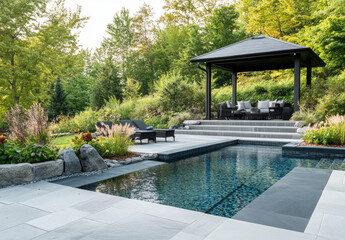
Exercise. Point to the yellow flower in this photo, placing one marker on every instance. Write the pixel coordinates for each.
(102, 145)
(107, 151)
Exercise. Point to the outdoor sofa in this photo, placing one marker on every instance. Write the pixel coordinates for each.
(276, 109)
(161, 133)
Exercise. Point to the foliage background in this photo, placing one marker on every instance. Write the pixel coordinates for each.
(142, 69)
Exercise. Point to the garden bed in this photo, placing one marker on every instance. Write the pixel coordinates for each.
(320, 145)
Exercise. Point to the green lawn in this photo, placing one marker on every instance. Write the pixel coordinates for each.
(64, 142)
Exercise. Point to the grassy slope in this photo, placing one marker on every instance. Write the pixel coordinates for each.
(63, 142)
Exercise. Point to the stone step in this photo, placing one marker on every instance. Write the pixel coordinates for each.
(250, 122)
(241, 134)
(244, 128)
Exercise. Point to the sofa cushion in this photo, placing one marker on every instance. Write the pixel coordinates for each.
(241, 105)
(273, 104)
(281, 103)
(263, 105)
(228, 104)
(247, 105)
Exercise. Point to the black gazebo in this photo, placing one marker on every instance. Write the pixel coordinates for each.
(257, 54)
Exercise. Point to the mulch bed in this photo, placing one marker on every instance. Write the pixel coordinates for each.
(318, 145)
(123, 158)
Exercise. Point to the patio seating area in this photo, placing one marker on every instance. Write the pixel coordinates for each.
(265, 110)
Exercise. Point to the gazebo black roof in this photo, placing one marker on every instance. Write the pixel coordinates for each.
(260, 53)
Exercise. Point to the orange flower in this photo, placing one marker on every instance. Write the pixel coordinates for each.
(3, 140)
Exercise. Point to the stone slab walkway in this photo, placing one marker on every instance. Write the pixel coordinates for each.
(51, 211)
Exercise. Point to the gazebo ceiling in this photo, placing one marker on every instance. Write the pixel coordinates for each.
(260, 53)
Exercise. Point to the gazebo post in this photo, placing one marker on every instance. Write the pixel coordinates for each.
(234, 87)
(309, 76)
(297, 81)
(208, 92)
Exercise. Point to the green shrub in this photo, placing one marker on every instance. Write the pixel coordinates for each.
(82, 122)
(331, 104)
(305, 114)
(179, 118)
(330, 133)
(30, 153)
(116, 145)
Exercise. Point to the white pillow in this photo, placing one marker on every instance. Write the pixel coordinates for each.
(272, 104)
(281, 103)
(263, 104)
(247, 105)
(241, 105)
(228, 104)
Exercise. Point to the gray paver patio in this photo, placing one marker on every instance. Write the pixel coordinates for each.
(46, 210)
(121, 218)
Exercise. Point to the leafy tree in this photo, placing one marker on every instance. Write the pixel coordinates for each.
(120, 38)
(78, 89)
(57, 104)
(185, 12)
(33, 53)
(132, 89)
(107, 84)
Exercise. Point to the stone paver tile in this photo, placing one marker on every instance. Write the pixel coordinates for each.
(21, 232)
(61, 199)
(47, 186)
(139, 226)
(330, 208)
(60, 236)
(15, 214)
(98, 203)
(204, 225)
(233, 229)
(314, 223)
(332, 197)
(20, 193)
(336, 178)
(75, 230)
(186, 236)
(111, 215)
(333, 227)
(168, 212)
(57, 219)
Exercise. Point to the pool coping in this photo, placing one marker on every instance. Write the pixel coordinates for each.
(290, 202)
(296, 150)
(177, 154)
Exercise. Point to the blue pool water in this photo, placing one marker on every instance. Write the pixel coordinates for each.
(220, 182)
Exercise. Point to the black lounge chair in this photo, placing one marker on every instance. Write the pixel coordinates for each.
(140, 134)
(162, 133)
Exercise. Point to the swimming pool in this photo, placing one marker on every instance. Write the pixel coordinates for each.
(220, 182)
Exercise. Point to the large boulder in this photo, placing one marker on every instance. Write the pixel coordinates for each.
(48, 169)
(11, 174)
(90, 159)
(71, 161)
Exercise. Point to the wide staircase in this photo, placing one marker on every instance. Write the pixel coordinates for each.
(244, 128)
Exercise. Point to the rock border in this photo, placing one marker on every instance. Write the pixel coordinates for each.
(24, 173)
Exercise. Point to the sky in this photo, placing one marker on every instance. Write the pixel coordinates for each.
(101, 12)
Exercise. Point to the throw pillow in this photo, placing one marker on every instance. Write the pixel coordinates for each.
(281, 103)
(263, 104)
(229, 104)
(241, 105)
(272, 104)
(247, 105)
